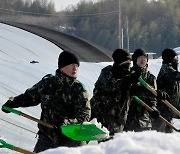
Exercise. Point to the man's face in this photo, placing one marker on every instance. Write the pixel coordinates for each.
(175, 59)
(142, 61)
(70, 70)
(175, 63)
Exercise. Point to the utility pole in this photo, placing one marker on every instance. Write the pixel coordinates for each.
(122, 40)
(119, 30)
(127, 34)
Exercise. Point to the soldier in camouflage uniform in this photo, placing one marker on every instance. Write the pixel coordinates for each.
(63, 101)
(139, 119)
(168, 80)
(111, 95)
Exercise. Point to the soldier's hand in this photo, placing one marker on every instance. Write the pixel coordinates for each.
(162, 95)
(121, 70)
(155, 114)
(133, 77)
(57, 125)
(7, 104)
(178, 108)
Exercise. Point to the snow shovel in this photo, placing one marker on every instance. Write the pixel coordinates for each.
(4, 144)
(139, 101)
(77, 132)
(146, 85)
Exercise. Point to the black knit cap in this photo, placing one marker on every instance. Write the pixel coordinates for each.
(120, 55)
(67, 58)
(137, 53)
(168, 55)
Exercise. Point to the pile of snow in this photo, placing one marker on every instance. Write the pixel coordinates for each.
(128, 143)
(18, 49)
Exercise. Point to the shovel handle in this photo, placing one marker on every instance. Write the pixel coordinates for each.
(27, 116)
(22, 150)
(151, 89)
(167, 122)
(10, 146)
(36, 120)
(139, 101)
(171, 107)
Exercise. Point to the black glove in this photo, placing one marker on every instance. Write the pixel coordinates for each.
(59, 122)
(162, 95)
(155, 114)
(178, 108)
(135, 74)
(119, 71)
(57, 127)
(9, 104)
(133, 77)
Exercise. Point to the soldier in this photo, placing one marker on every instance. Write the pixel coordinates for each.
(168, 80)
(111, 95)
(139, 119)
(63, 101)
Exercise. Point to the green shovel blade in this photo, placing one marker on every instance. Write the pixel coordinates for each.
(83, 132)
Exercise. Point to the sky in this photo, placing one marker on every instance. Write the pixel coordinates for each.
(62, 4)
(17, 49)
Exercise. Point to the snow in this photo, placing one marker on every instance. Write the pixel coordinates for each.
(128, 143)
(17, 49)
(177, 50)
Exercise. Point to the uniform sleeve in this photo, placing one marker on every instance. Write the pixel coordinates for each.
(107, 83)
(82, 107)
(172, 75)
(31, 97)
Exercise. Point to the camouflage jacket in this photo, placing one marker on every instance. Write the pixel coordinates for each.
(138, 117)
(110, 101)
(168, 80)
(63, 100)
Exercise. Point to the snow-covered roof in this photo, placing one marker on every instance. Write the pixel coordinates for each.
(177, 50)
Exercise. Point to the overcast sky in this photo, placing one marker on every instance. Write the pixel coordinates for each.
(62, 4)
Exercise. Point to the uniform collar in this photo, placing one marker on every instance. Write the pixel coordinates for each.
(63, 77)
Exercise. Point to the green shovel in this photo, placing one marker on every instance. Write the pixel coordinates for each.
(4, 144)
(77, 132)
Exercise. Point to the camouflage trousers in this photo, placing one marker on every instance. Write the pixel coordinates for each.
(161, 126)
(44, 143)
(134, 125)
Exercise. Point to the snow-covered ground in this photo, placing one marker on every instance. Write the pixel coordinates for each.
(17, 49)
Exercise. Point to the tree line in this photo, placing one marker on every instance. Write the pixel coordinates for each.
(35, 6)
(152, 25)
(149, 24)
